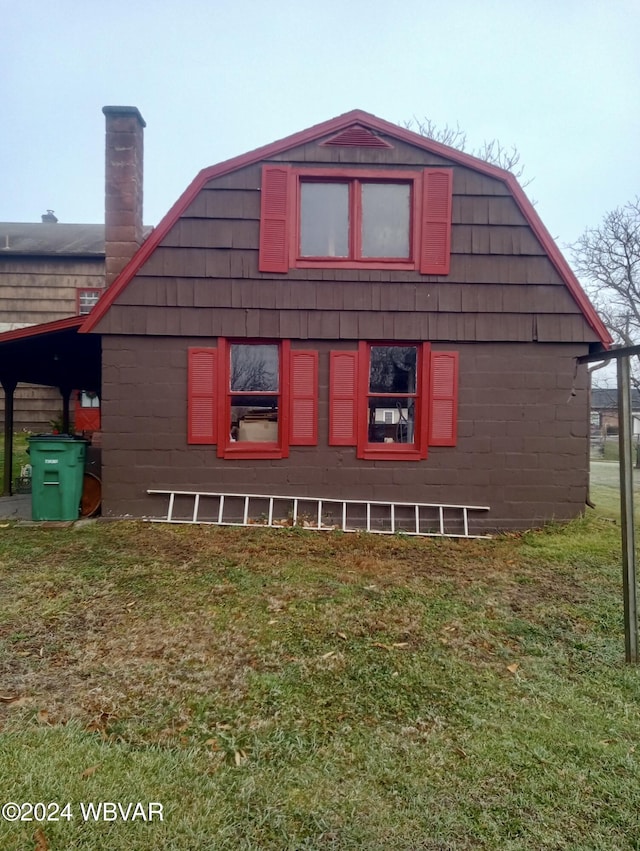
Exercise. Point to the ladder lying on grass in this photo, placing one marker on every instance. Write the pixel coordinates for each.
(320, 514)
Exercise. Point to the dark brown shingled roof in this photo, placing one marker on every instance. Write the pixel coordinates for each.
(51, 238)
(36, 238)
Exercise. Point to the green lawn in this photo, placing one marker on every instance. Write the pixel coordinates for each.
(20, 455)
(292, 690)
(605, 488)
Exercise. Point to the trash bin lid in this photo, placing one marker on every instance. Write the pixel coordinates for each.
(35, 437)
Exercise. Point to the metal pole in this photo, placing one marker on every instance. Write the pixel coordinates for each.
(9, 387)
(626, 509)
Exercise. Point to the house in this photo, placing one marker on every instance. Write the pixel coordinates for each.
(604, 411)
(354, 312)
(49, 270)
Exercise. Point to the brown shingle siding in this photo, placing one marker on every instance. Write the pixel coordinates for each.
(486, 210)
(494, 239)
(242, 204)
(400, 154)
(248, 177)
(468, 182)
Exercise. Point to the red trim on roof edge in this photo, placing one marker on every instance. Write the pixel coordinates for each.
(326, 128)
(43, 328)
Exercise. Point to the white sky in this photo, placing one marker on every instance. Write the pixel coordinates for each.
(214, 79)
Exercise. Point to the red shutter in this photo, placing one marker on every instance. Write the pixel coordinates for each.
(343, 398)
(424, 400)
(201, 396)
(435, 245)
(303, 382)
(274, 219)
(443, 418)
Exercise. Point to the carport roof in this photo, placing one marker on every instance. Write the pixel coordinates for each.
(53, 354)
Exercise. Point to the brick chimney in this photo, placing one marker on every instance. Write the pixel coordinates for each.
(123, 187)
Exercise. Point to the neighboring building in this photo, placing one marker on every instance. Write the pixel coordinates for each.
(48, 271)
(353, 312)
(604, 411)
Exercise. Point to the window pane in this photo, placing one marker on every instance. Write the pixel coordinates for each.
(86, 300)
(324, 220)
(392, 369)
(89, 400)
(254, 419)
(385, 219)
(391, 420)
(254, 368)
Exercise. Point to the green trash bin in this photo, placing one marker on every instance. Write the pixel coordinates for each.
(57, 463)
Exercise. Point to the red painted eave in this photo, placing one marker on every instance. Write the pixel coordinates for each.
(331, 127)
(45, 328)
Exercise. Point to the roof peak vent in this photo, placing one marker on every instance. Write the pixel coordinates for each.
(357, 136)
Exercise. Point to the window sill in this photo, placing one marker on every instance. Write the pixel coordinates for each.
(346, 263)
(388, 452)
(248, 451)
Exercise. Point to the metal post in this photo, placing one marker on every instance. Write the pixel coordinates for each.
(9, 387)
(626, 509)
(66, 396)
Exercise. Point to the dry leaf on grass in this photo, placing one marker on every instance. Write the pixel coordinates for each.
(41, 840)
(239, 757)
(513, 668)
(88, 772)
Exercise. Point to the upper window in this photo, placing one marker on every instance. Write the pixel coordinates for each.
(355, 219)
(87, 297)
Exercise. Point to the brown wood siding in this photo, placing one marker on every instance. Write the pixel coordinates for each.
(501, 285)
(34, 407)
(522, 446)
(400, 154)
(363, 325)
(356, 296)
(35, 290)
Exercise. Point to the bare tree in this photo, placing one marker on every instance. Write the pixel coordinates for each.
(492, 151)
(607, 260)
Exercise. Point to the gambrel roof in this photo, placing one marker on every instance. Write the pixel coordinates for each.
(355, 128)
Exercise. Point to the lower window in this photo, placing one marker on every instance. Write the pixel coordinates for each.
(393, 401)
(252, 399)
(392, 382)
(391, 394)
(254, 393)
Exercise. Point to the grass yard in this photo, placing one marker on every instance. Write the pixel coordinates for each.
(291, 690)
(20, 455)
